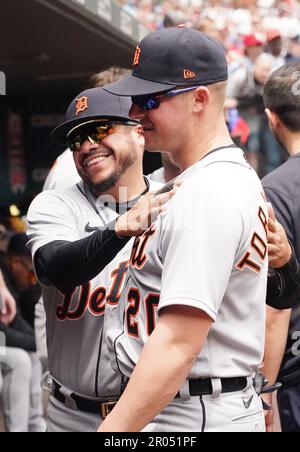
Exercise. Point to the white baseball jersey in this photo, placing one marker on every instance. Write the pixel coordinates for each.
(63, 174)
(158, 176)
(207, 251)
(78, 356)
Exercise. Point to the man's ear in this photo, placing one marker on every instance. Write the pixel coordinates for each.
(140, 130)
(273, 118)
(201, 98)
(141, 139)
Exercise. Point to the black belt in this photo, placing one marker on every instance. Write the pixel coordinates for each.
(101, 407)
(198, 388)
(202, 386)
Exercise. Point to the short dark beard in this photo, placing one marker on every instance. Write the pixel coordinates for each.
(106, 185)
(98, 189)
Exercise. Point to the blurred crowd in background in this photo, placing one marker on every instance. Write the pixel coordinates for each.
(230, 18)
(259, 37)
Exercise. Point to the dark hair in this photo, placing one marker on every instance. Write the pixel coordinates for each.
(18, 246)
(282, 95)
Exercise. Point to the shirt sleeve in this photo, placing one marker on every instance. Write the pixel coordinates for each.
(200, 245)
(61, 258)
(50, 218)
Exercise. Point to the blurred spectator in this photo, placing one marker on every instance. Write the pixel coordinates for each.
(254, 47)
(293, 55)
(240, 17)
(109, 76)
(21, 369)
(275, 47)
(3, 239)
(245, 92)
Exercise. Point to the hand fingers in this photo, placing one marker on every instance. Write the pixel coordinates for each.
(272, 215)
(274, 239)
(178, 183)
(156, 212)
(273, 250)
(163, 198)
(272, 225)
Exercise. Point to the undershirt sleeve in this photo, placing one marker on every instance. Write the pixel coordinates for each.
(67, 265)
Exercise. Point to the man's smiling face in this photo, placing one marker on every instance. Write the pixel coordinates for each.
(101, 165)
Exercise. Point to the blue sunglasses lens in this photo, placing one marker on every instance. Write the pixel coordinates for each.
(146, 103)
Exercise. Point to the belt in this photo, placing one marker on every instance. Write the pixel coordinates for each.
(198, 387)
(202, 386)
(104, 408)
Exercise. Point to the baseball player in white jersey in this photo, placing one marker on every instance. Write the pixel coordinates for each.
(63, 174)
(80, 242)
(192, 340)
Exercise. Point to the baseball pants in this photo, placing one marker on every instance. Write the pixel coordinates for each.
(234, 412)
(62, 419)
(22, 394)
(289, 408)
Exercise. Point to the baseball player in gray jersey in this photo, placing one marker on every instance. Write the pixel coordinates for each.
(80, 242)
(194, 300)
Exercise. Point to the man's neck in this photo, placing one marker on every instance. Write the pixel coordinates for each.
(127, 189)
(171, 172)
(199, 147)
(293, 144)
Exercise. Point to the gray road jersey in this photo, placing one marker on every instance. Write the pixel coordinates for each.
(78, 356)
(209, 252)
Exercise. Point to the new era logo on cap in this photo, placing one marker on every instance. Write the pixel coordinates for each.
(137, 57)
(82, 105)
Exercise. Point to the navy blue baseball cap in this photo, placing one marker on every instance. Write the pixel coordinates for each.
(173, 57)
(90, 105)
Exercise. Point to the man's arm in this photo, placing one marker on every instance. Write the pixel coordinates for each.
(19, 335)
(284, 276)
(8, 307)
(68, 264)
(162, 369)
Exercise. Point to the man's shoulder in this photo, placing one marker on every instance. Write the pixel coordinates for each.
(51, 198)
(284, 178)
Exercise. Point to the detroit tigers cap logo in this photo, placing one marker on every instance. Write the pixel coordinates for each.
(137, 57)
(82, 105)
(188, 74)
